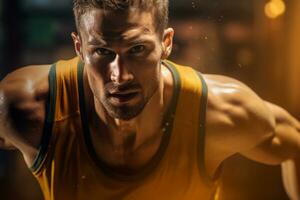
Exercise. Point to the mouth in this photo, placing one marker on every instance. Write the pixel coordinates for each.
(121, 97)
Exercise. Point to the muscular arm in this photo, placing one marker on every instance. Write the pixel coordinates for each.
(282, 148)
(284, 144)
(22, 102)
(238, 121)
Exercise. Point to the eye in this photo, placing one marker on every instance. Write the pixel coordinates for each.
(104, 52)
(137, 49)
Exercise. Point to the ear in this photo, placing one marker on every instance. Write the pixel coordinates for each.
(167, 43)
(77, 44)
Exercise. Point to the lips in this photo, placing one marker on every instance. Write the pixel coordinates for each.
(122, 93)
(124, 96)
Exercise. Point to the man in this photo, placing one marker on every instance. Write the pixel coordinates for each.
(122, 122)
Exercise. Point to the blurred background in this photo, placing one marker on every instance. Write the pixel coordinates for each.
(255, 41)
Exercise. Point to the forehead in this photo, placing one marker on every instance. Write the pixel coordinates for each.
(117, 25)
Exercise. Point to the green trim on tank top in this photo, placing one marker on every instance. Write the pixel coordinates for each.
(202, 134)
(48, 123)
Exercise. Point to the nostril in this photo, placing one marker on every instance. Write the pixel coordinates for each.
(114, 78)
(121, 75)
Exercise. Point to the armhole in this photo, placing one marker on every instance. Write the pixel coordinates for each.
(48, 124)
(202, 131)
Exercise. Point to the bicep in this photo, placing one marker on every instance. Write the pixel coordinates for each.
(237, 119)
(21, 112)
(283, 144)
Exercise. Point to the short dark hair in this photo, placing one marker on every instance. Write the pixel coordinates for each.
(160, 15)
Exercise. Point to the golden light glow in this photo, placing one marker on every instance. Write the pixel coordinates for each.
(275, 8)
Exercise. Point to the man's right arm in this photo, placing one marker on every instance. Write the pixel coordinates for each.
(23, 94)
(4, 123)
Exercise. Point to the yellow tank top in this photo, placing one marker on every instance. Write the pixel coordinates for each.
(67, 167)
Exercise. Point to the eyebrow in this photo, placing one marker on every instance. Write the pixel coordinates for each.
(133, 40)
(96, 41)
(129, 42)
(138, 41)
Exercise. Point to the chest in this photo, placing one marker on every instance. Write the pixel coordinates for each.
(129, 151)
(171, 173)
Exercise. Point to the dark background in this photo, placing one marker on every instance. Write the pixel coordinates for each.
(244, 39)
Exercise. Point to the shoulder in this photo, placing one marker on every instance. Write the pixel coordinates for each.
(25, 88)
(237, 113)
(26, 81)
(228, 95)
(237, 120)
(23, 94)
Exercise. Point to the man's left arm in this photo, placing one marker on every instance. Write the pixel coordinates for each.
(282, 148)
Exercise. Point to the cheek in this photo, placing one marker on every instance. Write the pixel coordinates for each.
(95, 64)
(96, 82)
(149, 75)
(97, 69)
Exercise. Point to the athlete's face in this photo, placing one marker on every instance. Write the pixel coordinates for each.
(122, 52)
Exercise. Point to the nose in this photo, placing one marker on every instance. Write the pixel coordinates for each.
(120, 73)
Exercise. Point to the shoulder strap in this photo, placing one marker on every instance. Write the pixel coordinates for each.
(49, 119)
(62, 103)
(194, 86)
(202, 135)
(202, 129)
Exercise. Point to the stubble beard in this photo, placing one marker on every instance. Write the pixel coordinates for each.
(127, 112)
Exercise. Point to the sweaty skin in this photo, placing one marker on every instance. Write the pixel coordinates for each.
(237, 120)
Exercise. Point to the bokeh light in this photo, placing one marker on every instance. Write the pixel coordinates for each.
(275, 8)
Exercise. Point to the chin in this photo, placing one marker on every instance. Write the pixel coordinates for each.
(124, 111)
